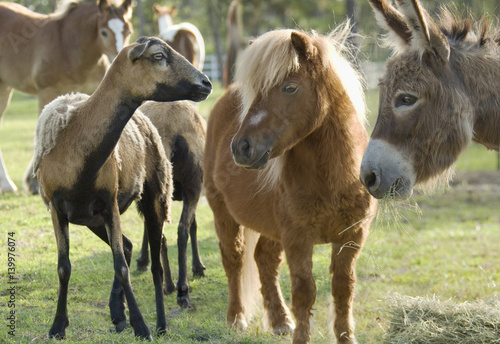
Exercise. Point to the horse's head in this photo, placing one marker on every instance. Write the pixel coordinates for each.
(279, 77)
(157, 72)
(114, 27)
(424, 119)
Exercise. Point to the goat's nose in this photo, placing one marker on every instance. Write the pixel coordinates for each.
(370, 178)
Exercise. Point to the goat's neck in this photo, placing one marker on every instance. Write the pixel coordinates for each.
(105, 114)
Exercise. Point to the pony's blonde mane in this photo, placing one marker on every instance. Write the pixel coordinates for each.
(271, 58)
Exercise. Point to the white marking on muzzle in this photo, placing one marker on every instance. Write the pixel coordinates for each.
(116, 25)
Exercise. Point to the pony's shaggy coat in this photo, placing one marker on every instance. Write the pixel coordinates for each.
(294, 112)
(439, 93)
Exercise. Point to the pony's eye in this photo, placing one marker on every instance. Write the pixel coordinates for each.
(290, 88)
(104, 33)
(158, 56)
(405, 100)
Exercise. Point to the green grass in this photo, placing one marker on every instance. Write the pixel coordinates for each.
(451, 250)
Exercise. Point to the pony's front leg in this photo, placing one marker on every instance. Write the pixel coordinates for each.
(61, 231)
(299, 257)
(122, 272)
(269, 258)
(343, 282)
(232, 246)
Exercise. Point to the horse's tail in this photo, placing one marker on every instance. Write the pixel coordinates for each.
(250, 281)
(234, 41)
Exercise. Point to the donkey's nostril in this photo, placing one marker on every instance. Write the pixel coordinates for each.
(370, 180)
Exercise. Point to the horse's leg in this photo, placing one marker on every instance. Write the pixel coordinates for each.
(6, 184)
(231, 244)
(269, 258)
(154, 217)
(117, 297)
(143, 260)
(122, 271)
(343, 281)
(299, 257)
(61, 320)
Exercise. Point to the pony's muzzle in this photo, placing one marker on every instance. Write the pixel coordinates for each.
(246, 155)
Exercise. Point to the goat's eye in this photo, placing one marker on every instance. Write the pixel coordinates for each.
(158, 56)
(290, 88)
(405, 100)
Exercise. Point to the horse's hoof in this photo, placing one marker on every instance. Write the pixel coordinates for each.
(122, 325)
(286, 328)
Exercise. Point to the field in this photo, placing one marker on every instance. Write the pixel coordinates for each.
(448, 249)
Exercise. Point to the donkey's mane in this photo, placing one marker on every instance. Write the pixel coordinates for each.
(466, 30)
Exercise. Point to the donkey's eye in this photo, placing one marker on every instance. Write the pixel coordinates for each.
(405, 100)
(290, 88)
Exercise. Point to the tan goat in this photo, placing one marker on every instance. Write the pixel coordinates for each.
(93, 158)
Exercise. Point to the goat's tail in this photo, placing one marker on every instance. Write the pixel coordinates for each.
(250, 281)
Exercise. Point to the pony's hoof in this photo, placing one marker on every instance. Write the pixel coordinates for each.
(239, 323)
(286, 328)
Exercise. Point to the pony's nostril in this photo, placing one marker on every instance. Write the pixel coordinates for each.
(244, 148)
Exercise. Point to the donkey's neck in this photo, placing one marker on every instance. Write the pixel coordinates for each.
(164, 23)
(481, 79)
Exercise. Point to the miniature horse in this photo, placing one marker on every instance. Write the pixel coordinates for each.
(185, 38)
(440, 91)
(282, 156)
(49, 55)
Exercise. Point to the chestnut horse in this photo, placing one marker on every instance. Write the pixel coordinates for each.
(58, 53)
(185, 38)
(440, 92)
(283, 150)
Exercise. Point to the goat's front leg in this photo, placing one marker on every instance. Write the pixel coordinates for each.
(122, 272)
(117, 297)
(61, 231)
(143, 260)
(299, 257)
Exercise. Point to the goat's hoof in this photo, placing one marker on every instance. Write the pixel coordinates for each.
(142, 265)
(183, 301)
(143, 332)
(168, 289)
(199, 271)
(58, 329)
(161, 331)
(122, 325)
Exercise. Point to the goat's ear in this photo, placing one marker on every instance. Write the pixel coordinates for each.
(303, 45)
(392, 20)
(427, 37)
(103, 5)
(173, 11)
(136, 52)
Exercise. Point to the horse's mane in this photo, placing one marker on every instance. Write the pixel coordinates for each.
(466, 31)
(271, 57)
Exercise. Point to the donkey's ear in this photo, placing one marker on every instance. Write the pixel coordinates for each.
(427, 37)
(136, 52)
(302, 44)
(393, 21)
(103, 5)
